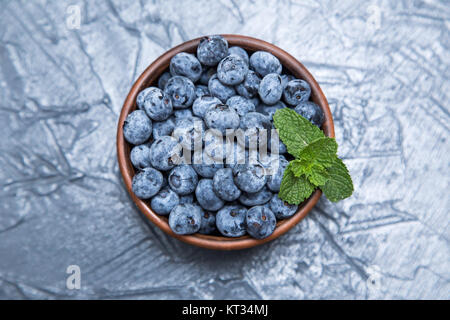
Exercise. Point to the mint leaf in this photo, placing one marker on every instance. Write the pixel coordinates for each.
(295, 131)
(315, 172)
(320, 152)
(294, 189)
(339, 185)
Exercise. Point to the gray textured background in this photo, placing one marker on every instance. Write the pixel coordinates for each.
(384, 66)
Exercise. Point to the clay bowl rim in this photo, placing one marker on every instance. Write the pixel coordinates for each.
(150, 76)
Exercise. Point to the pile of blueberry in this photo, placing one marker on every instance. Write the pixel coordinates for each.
(224, 89)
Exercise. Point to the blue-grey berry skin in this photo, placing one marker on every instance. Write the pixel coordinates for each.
(206, 196)
(165, 153)
(206, 75)
(164, 201)
(232, 70)
(254, 124)
(255, 199)
(207, 169)
(296, 91)
(282, 209)
(186, 65)
(224, 186)
(163, 80)
(311, 111)
(274, 180)
(241, 105)
(163, 128)
(202, 104)
(269, 110)
(260, 221)
(185, 218)
(220, 90)
(140, 156)
(282, 149)
(201, 90)
(240, 52)
(208, 224)
(190, 132)
(215, 147)
(189, 198)
(181, 91)
(147, 183)
(270, 89)
(256, 102)
(183, 179)
(137, 127)
(249, 178)
(285, 78)
(230, 221)
(263, 63)
(221, 117)
(212, 49)
(155, 103)
(249, 87)
(181, 114)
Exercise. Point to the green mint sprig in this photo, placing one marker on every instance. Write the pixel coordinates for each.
(316, 163)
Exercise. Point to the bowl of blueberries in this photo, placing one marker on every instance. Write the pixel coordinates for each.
(197, 147)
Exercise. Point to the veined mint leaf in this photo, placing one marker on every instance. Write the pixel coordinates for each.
(320, 152)
(315, 172)
(295, 131)
(294, 189)
(339, 185)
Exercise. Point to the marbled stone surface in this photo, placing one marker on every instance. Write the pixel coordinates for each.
(384, 66)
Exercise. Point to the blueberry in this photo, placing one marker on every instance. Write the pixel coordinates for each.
(206, 197)
(269, 110)
(163, 80)
(255, 199)
(181, 114)
(230, 221)
(183, 179)
(215, 147)
(164, 201)
(249, 87)
(274, 180)
(186, 65)
(207, 169)
(250, 178)
(220, 90)
(238, 155)
(208, 224)
(140, 156)
(241, 105)
(285, 78)
(165, 152)
(147, 183)
(240, 52)
(270, 89)
(201, 90)
(155, 103)
(282, 209)
(275, 137)
(163, 128)
(311, 111)
(221, 117)
(256, 102)
(261, 222)
(296, 91)
(185, 218)
(232, 70)
(189, 132)
(206, 75)
(212, 49)
(263, 63)
(202, 104)
(257, 128)
(224, 186)
(189, 198)
(181, 91)
(137, 127)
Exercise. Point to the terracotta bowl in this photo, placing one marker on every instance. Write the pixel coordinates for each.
(150, 77)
